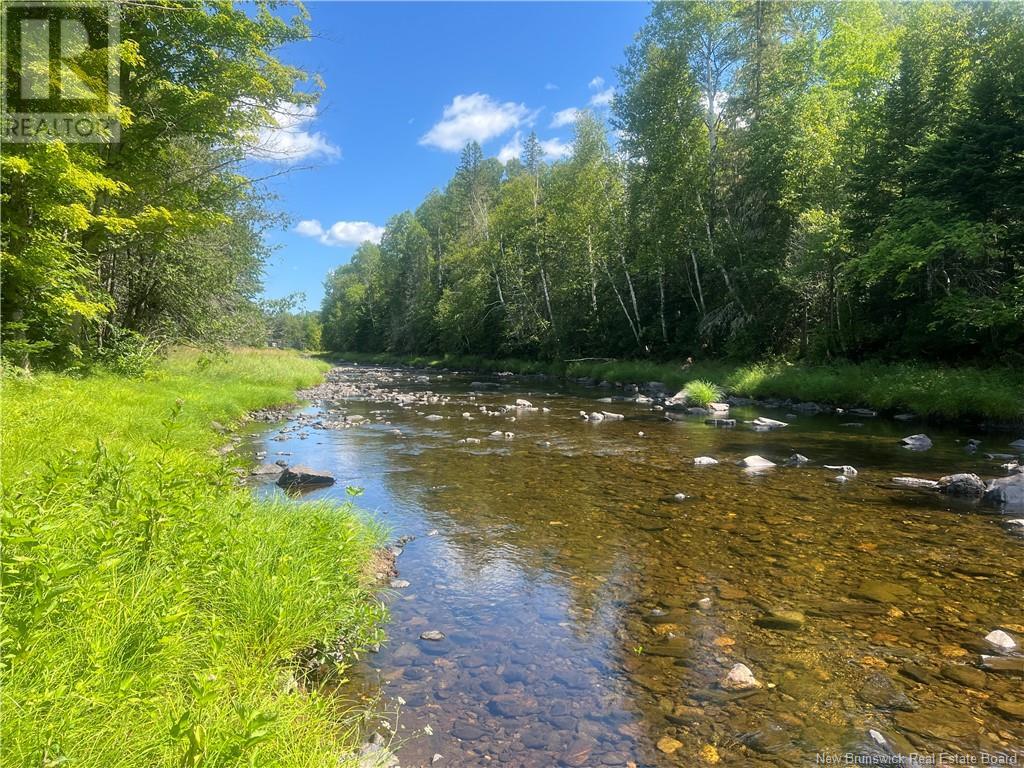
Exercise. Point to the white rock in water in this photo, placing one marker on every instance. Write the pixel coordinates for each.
(612, 416)
(740, 678)
(497, 433)
(702, 461)
(509, 435)
(704, 603)
(1001, 640)
(467, 415)
(765, 423)
(434, 417)
(846, 469)
(520, 403)
(680, 497)
(756, 462)
(917, 442)
(841, 479)
(595, 416)
(878, 738)
(639, 434)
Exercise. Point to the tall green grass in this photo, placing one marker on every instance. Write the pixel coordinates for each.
(150, 606)
(929, 390)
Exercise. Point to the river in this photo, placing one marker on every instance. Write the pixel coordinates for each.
(591, 616)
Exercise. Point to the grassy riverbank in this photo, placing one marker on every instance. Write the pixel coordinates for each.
(934, 391)
(150, 605)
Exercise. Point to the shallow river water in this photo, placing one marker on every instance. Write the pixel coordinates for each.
(590, 617)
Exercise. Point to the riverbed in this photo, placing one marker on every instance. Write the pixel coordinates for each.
(595, 588)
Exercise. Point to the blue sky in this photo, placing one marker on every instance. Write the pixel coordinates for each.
(406, 85)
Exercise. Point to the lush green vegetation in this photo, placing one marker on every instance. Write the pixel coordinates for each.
(157, 238)
(821, 181)
(150, 606)
(928, 390)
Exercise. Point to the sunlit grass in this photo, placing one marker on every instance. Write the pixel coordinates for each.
(150, 605)
(702, 393)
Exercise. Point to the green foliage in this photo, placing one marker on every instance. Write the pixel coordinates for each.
(820, 181)
(151, 606)
(159, 234)
(702, 393)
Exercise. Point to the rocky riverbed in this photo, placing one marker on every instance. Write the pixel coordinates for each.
(603, 577)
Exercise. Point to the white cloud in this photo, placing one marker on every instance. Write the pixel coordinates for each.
(596, 83)
(340, 232)
(564, 117)
(555, 149)
(602, 98)
(550, 87)
(513, 149)
(291, 140)
(476, 117)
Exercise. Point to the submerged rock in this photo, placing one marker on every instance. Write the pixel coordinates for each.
(299, 477)
(797, 460)
(881, 692)
(433, 635)
(781, 619)
(881, 591)
(704, 461)
(668, 745)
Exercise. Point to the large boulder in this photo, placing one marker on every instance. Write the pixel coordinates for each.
(1006, 491)
(300, 478)
(962, 484)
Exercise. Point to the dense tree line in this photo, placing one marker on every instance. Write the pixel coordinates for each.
(825, 180)
(158, 235)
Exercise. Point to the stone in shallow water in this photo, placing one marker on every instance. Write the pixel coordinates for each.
(917, 442)
(997, 638)
(966, 676)
(399, 583)
(432, 635)
(962, 484)
(740, 678)
(1003, 663)
(299, 477)
(881, 591)
(668, 745)
(756, 462)
(1014, 710)
(703, 461)
(781, 619)
(881, 692)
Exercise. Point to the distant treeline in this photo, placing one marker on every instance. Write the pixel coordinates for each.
(111, 249)
(828, 180)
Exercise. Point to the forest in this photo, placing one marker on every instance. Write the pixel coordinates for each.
(819, 181)
(112, 251)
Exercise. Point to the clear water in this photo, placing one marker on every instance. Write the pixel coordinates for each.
(565, 576)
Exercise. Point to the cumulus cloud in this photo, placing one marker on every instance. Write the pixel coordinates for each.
(602, 98)
(291, 139)
(564, 117)
(596, 83)
(340, 233)
(513, 149)
(555, 149)
(550, 87)
(474, 117)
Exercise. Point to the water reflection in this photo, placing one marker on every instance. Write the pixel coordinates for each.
(590, 617)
